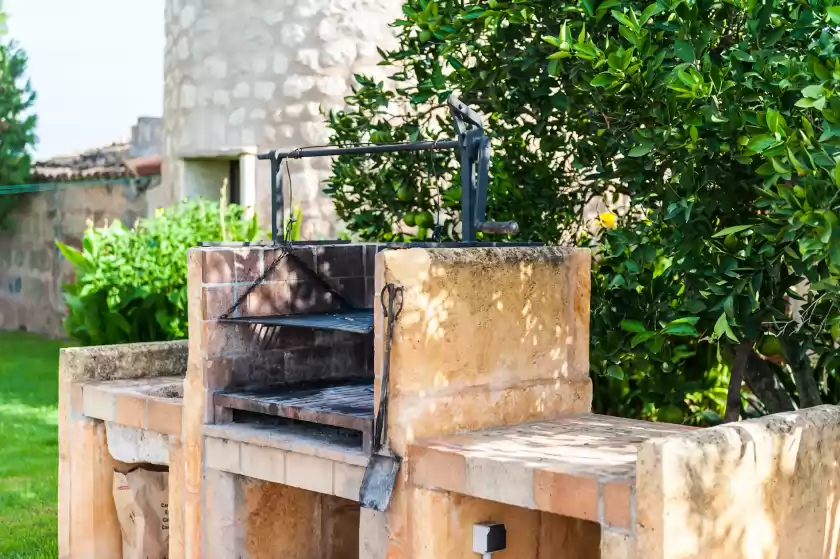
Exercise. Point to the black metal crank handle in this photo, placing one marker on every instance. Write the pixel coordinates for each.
(498, 227)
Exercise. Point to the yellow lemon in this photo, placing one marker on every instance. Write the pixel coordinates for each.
(608, 220)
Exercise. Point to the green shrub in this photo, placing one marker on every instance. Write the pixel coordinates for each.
(131, 283)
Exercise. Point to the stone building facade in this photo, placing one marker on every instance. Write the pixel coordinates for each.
(246, 77)
(98, 185)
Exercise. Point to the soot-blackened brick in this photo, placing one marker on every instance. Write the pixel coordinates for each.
(290, 267)
(341, 261)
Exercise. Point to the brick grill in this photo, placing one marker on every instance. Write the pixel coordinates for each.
(291, 350)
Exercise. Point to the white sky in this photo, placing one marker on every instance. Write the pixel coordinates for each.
(96, 66)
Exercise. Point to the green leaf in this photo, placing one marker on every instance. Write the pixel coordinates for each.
(632, 326)
(603, 80)
(837, 174)
(722, 327)
(73, 256)
(553, 41)
(743, 56)
(681, 330)
(776, 122)
(805, 103)
(615, 371)
(730, 230)
(651, 11)
(640, 338)
(761, 142)
(778, 167)
(640, 150)
(623, 19)
(833, 14)
(813, 91)
(684, 51)
(685, 320)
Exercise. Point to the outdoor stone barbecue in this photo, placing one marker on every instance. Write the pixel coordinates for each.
(488, 407)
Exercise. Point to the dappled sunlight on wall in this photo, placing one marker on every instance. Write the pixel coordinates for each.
(487, 337)
(758, 489)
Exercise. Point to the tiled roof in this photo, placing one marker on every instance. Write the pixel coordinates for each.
(110, 162)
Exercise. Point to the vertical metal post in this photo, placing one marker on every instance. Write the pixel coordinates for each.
(482, 145)
(467, 178)
(281, 202)
(274, 167)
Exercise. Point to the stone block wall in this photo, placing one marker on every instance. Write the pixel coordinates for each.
(32, 270)
(259, 74)
(761, 488)
(487, 337)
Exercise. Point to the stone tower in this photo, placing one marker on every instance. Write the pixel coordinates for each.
(246, 76)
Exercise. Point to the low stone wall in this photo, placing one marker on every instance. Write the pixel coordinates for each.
(761, 488)
(87, 520)
(32, 270)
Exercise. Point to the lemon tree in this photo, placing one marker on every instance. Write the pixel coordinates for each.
(718, 122)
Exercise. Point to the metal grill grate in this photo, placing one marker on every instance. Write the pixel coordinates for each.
(348, 405)
(357, 321)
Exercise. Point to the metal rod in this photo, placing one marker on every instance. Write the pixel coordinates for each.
(274, 166)
(281, 203)
(303, 153)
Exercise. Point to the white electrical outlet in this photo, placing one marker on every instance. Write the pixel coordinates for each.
(489, 537)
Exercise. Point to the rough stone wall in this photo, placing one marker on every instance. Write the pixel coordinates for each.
(147, 137)
(487, 337)
(762, 488)
(257, 73)
(264, 520)
(32, 270)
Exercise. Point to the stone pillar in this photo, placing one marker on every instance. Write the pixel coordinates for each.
(487, 337)
(92, 530)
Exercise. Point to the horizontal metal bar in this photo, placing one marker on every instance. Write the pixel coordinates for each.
(246, 244)
(358, 150)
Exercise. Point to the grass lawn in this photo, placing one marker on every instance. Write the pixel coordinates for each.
(28, 446)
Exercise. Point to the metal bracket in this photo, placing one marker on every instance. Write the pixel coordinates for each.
(475, 174)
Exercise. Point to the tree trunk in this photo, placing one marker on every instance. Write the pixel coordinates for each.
(733, 396)
(806, 385)
(762, 381)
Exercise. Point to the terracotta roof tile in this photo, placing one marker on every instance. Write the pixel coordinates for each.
(98, 163)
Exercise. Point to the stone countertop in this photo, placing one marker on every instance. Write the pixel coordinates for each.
(583, 466)
(153, 403)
